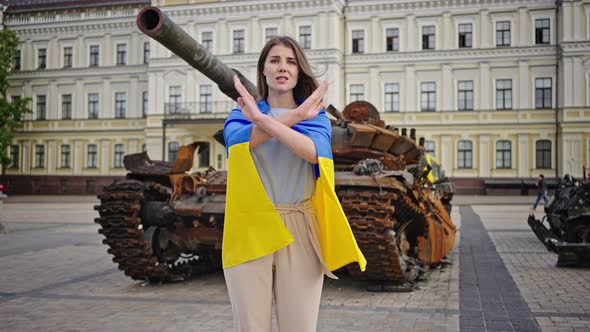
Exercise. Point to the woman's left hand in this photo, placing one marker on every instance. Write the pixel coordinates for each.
(247, 103)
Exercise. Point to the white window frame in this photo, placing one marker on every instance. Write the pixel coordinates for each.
(365, 39)
(350, 91)
(87, 154)
(534, 78)
(512, 154)
(436, 95)
(236, 28)
(312, 27)
(495, 101)
(495, 20)
(433, 141)
(429, 22)
(399, 86)
(114, 155)
(36, 62)
(401, 36)
(62, 55)
(115, 44)
(201, 31)
(87, 107)
(471, 21)
(273, 26)
(88, 46)
(539, 16)
(544, 138)
(456, 83)
(61, 105)
(473, 165)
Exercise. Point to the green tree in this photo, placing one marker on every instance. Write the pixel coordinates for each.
(11, 112)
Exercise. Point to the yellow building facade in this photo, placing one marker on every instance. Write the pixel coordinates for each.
(499, 90)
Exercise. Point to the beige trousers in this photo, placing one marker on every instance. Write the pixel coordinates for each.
(294, 275)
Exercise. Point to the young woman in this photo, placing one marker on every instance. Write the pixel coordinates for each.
(284, 226)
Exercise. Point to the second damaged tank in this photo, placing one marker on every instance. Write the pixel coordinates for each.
(164, 222)
(565, 228)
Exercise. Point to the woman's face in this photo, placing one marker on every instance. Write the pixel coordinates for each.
(281, 69)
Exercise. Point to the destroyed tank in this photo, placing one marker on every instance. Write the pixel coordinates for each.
(565, 227)
(165, 223)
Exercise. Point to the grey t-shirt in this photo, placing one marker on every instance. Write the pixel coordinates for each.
(287, 178)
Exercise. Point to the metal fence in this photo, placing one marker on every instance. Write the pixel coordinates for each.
(195, 108)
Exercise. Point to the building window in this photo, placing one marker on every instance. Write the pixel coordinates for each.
(391, 97)
(465, 154)
(67, 57)
(92, 156)
(175, 99)
(41, 107)
(429, 147)
(305, 36)
(392, 39)
(542, 31)
(357, 92)
(42, 58)
(204, 156)
(39, 156)
(207, 40)
(120, 104)
(270, 33)
(465, 35)
(66, 107)
(358, 41)
(94, 55)
(119, 152)
(503, 33)
(503, 154)
(93, 106)
(121, 54)
(428, 96)
(14, 156)
(504, 94)
(543, 154)
(238, 41)
(465, 95)
(146, 51)
(543, 93)
(428, 37)
(17, 60)
(172, 151)
(219, 161)
(144, 104)
(205, 99)
(65, 156)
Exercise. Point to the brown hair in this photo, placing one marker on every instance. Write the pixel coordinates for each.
(306, 82)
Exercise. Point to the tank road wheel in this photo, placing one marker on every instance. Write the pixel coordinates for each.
(370, 215)
(137, 248)
(578, 233)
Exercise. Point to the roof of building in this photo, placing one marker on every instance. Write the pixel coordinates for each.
(21, 6)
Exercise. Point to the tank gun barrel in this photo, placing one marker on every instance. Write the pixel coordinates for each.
(154, 23)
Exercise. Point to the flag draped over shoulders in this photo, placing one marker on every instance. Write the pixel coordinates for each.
(253, 228)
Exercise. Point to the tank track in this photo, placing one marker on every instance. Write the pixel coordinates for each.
(373, 216)
(121, 225)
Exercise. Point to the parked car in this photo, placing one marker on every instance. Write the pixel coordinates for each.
(3, 189)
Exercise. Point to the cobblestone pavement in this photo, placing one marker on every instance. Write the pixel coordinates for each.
(559, 298)
(57, 276)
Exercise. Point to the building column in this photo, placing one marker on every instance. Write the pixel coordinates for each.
(523, 27)
(78, 102)
(52, 109)
(106, 105)
(484, 40)
(446, 88)
(374, 88)
(253, 44)
(484, 102)
(567, 19)
(579, 26)
(571, 150)
(78, 157)
(411, 88)
(484, 155)
(107, 52)
(567, 89)
(133, 109)
(321, 27)
(51, 157)
(579, 88)
(524, 87)
(523, 156)
(104, 156)
(288, 25)
(135, 50)
(447, 154)
(26, 147)
(411, 35)
(222, 42)
(375, 46)
(447, 35)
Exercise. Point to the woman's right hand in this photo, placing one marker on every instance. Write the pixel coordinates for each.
(310, 108)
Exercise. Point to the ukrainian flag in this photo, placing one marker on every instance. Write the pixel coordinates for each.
(253, 228)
